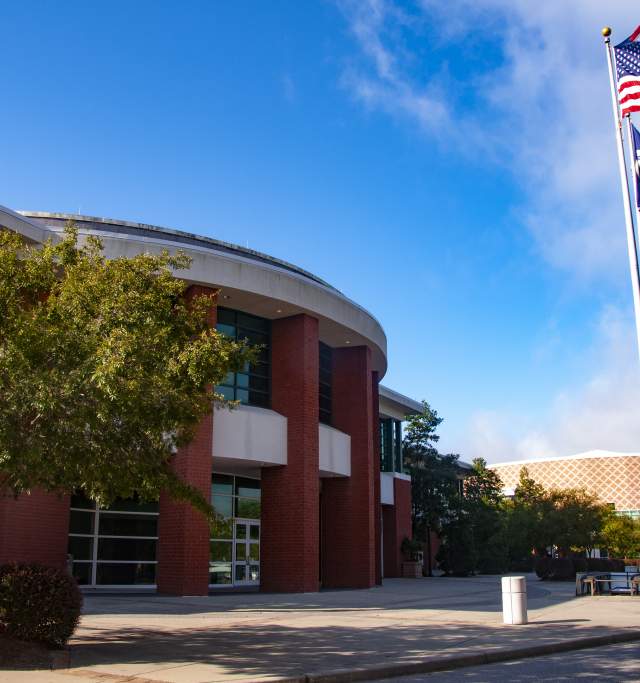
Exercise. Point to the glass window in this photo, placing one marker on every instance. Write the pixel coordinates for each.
(133, 505)
(221, 551)
(249, 488)
(81, 522)
(114, 524)
(81, 547)
(220, 573)
(325, 374)
(114, 536)
(251, 386)
(222, 483)
(248, 508)
(82, 572)
(125, 574)
(222, 528)
(223, 505)
(126, 549)
(78, 500)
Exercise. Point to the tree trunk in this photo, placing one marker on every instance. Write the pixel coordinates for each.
(429, 567)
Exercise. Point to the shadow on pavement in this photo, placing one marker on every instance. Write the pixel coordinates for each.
(258, 650)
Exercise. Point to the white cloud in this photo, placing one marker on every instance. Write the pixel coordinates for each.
(544, 111)
(600, 413)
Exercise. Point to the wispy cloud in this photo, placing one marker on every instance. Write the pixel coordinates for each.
(544, 110)
(600, 412)
(382, 81)
(541, 110)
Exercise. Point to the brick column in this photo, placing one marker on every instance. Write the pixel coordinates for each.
(396, 520)
(376, 478)
(183, 532)
(349, 509)
(34, 528)
(289, 545)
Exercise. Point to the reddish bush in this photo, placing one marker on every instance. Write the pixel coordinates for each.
(38, 604)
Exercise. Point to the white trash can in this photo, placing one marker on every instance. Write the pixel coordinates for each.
(514, 599)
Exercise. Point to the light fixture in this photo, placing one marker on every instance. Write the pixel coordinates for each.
(278, 310)
(347, 342)
(226, 296)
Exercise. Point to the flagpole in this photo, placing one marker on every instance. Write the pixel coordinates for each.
(626, 198)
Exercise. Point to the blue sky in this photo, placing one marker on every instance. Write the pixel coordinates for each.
(450, 168)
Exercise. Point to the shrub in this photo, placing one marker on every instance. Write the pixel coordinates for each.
(542, 567)
(565, 568)
(38, 604)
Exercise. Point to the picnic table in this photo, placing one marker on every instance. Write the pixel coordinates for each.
(617, 582)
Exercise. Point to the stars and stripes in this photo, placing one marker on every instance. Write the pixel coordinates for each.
(628, 68)
(636, 161)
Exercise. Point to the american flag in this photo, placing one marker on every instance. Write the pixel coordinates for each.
(636, 161)
(628, 67)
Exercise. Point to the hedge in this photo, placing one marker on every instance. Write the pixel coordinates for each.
(565, 568)
(38, 604)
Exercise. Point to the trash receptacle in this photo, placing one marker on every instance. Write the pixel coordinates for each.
(514, 599)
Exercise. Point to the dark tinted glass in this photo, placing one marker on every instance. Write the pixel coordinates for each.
(221, 551)
(248, 508)
(252, 322)
(124, 574)
(80, 548)
(225, 315)
(133, 505)
(82, 573)
(248, 488)
(81, 522)
(128, 525)
(222, 483)
(126, 549)
(79, 500)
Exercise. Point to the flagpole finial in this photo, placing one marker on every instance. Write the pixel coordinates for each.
(606, 31)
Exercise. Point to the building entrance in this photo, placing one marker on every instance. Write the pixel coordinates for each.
(246, 560)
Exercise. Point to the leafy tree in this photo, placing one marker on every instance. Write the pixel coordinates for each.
(433, 476)
(575, 520)
(473, 531)
(106, 367)
(621, 536)
(526, 515)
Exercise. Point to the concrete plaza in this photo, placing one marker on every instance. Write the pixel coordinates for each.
(239, 637)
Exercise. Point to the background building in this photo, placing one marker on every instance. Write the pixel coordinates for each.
(306, 473)
(614, 477)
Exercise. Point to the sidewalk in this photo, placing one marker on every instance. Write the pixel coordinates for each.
(267, 637)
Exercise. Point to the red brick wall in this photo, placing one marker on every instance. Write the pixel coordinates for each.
(376, 479)
(290, 494)
(349, 509)
(183, 533)
(396, 521)
(34, 528)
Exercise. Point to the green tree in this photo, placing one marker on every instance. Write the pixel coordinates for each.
(621, 536)
(526, 515)
(106, 367)
(473, 531)
(575, 520)
(434, 477)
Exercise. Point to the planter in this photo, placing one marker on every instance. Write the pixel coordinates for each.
(412, 570)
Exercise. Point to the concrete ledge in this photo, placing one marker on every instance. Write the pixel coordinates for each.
(449, 662)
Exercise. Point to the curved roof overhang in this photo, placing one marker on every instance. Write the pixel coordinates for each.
(248, 280)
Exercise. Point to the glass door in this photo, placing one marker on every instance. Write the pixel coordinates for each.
(246, 557)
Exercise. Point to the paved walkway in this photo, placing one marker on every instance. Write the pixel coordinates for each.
(260, 636)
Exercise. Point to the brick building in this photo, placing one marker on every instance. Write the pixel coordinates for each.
(306, 473)
(614, 477)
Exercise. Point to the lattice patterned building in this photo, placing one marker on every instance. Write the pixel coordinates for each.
(615, 477)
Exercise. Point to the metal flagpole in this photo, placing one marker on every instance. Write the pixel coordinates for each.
(626, 198)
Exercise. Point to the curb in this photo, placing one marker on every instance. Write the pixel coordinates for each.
(447, 663)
